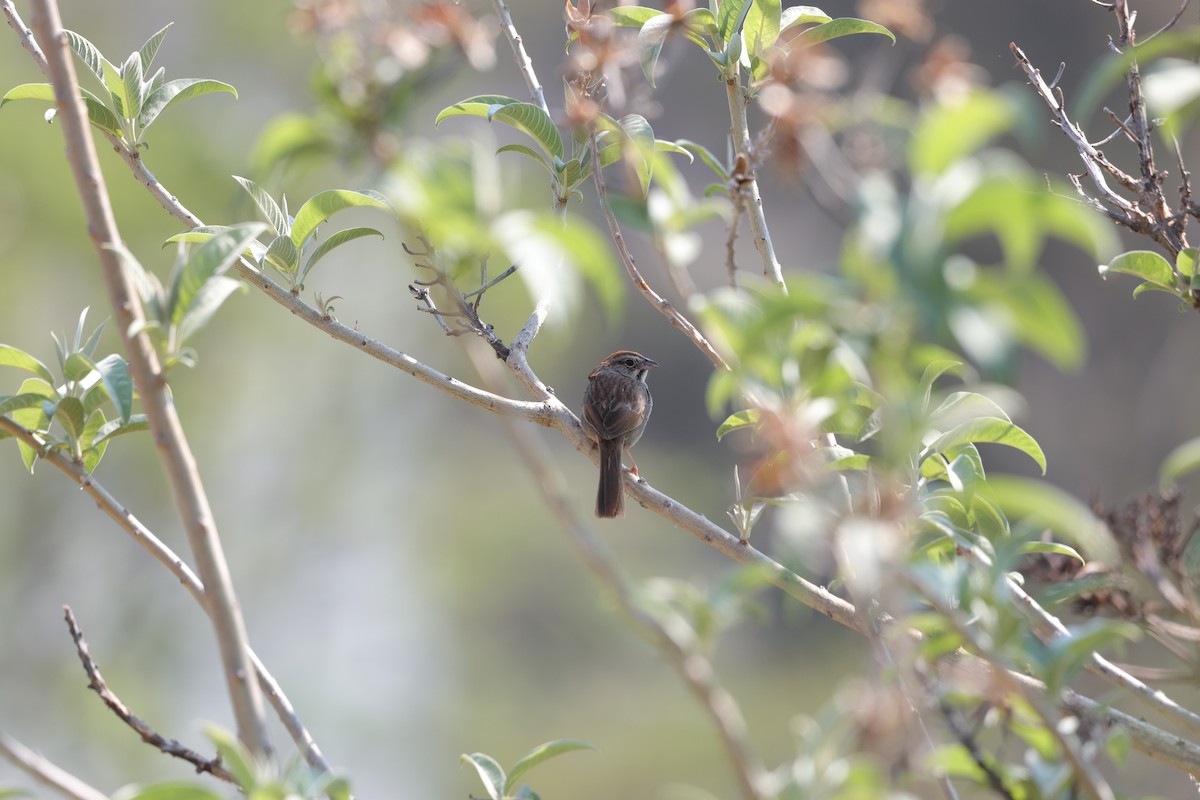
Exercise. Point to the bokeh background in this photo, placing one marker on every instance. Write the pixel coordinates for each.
(395, 567)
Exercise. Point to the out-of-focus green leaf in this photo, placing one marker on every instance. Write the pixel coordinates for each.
(490, 773)
(1179, 462)
(212, 295)
(68, 413)
(210, 259)
(321, 206)
(1067, 654)
(234, 757)
(1100, 80)
(1052, 547)
(631, 16)
(289, 138)
(650, 40)
(172, 790)
(32, 417)
(13, 357)
(98, 113)
(1041, 504)
(735, 422)
(1145, 264)
(947, 132)
(176, 91)
(542, 752)
(9, 404)
(706, 156)
(836, 28)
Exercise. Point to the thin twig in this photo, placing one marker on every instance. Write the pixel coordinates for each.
(524, 62)
(678, 320)
(148, 378)
(46, 773)
(129, 523)
(151, 737)
(736, 95)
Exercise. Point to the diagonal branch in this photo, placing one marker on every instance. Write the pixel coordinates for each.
(151, 737)
(148, 377)
(46, 773)
(126, 520)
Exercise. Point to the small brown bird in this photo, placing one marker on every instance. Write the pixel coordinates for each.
(616, 408)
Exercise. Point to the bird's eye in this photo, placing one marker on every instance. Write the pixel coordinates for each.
(631, 362)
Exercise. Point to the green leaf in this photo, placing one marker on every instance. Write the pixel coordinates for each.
(234, 756)
(68, 413)
(321, 206)
(283, 255)
(730, 17)
(542, 752)
(1067, 654)
(529, 151)
(651, 39)
(706, 156)
(801, 15)
(834, 29)
(147, 51)
(735, 422)
(114, 428)
(958, 407)
(700, 22)
(212, 295)
(478, 106)
(170, 790)
(1145, 264)
(992, 430)
(9, 404)
(337, 240)
(948, 131)
(115, 83)
(290, 138)
(643, 146)
(762, 26)
(13, 357)
(267, 205)
(98, 113)
(1043, 505)
(1052, 547)
(32, 417)
(631, 16)
(88, 53)
(490, 773)
(1179, 462)
(175, 91)
(531, 120)
(132, 76)
(93, 450)
(212, 258)
(77, 367)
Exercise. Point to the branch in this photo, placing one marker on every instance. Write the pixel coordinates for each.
(182, 572)
(524, 63)
(149, 735)
(693, 668)
(678, 320)
(150, 381)
(735, 94)
(45, 772)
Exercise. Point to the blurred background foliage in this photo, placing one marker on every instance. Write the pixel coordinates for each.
(395, 571)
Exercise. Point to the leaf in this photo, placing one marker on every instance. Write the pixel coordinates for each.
(68, 413)
(992, 430)
(730, 16)
(801, 15)
(1145, 264)
(490, 773)
(147, 51)
(478, 106)
(632, 16)
(93, 450)
(762, 26)
(175, 91)
(706, 156)
(651, 39)
(321, 206)
(98, 113)
(834, 29)
(114, 428)
(131, 77)
(211, 296)
(735, 422)
(337, 240)
(267, 205)
(114, 374)
(9, 404)
(88, 53)
(115, 83)
(958, 407)
(289, 138)
(542, 752)
(700, 22)
(1179, 462)
(234, 756)
(13, 357)
(212, 258)
(948, 131)
(32, 417)
(282, 255)
(641, 138)
(529, 151)
(1047, 506)
(170, 790)
(1051, 547)
(531, 120)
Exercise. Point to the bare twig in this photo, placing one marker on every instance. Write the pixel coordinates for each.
(524, 62)
(736, 96)
(678, 320)
(45, 772)
(151, 737)
(126, 520)
(148, 377)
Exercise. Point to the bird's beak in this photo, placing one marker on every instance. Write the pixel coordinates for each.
(650, 362)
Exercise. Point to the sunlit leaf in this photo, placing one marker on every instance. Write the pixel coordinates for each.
(267, 205)
(762, 26)
(532, 120)
(490, 773)
(477, 106)
(1052, 547)
(1145, 264)
(1182, 460)
(542, 752)
(131, 76)
(212, 295)
(13, 357)
(742, 419)
(836, 28)
(1042, 504)
(211, 258)
(321, 206)
(171, 790)
(991, 430)
(175, 91)
(147, 51)
(801, 15)
(88, 53)
(98, 113)
(651, 39)
(337, 240)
